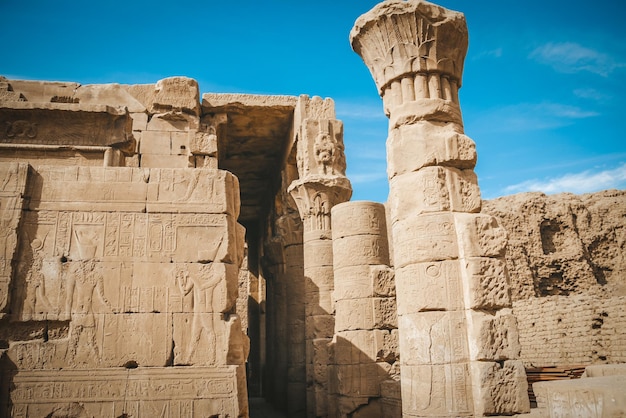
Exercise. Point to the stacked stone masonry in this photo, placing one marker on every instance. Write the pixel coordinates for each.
(566, 262)
(164, 253)
(460, 339)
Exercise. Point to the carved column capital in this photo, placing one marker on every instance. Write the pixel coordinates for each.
(415, 51)
(315, 196)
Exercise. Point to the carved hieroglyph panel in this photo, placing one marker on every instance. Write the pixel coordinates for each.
(193, 190)
(437, 390)
(148, 392)
(426, 238)
(430, 286)
(134, 236)
(12, 187)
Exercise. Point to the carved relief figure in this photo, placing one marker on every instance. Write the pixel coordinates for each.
(325, 152)
(35, 284)
(12, 174)
(20, 129)
(203, 285)
(83, 283)
(8, 237)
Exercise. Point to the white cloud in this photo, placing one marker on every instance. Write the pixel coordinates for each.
(570, 57)
(585, 182)
(592, 94)
(492, 53)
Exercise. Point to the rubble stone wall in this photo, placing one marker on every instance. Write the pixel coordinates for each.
(566, 261)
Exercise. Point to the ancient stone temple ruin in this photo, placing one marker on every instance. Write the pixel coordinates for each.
(166, 254)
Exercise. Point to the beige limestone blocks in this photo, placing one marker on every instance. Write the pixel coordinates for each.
(147, 392)
(12, 190)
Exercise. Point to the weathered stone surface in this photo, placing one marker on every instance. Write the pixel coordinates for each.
(594, 397)
(169, 392)
(500, 388)
(429, 237)
(431, 286)
(566, 250)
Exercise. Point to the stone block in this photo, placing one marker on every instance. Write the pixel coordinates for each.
(178, 94)
(364, 281)
(414, 146)
(500, 388)
(480, 236)
(98, 341)
(433, 195)
(441, 390)
(361, 380)
(433, 338)
(140, 121)
(319, 303)
(155, 391)
(359, 347)
(599, 370)
(429, 237)
(597, 397)
(88, 189)
(172, 122)
(180, 143)
(319, 253)
(441, 189)
(360, 250)
(464, 191)
(166, 161)
(201, 339)
(204, 161)
(203, 143)
(431, 286)
(488, 283)
(358, 218)
(493, 337)
(318, 279)
(107, 94)
(195, 287)
(193, 190)
(319, 326)
(366, 313)
(14, 176)
(155, 142)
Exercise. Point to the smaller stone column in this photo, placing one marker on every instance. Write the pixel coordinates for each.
(321, 185)
(366, 338)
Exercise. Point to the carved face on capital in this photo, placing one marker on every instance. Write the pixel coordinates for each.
(324, 148)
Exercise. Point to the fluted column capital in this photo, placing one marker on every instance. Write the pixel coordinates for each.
(415, 51)
(315, 196)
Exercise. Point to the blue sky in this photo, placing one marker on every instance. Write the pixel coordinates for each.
(543, 91)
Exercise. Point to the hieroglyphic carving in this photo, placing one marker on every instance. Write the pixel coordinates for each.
(157, 392)
(203, 285)
(21, 129)
(84, 282)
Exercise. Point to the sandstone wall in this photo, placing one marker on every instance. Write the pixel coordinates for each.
(566, 263)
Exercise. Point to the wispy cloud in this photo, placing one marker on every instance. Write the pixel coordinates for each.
(592, 94)
(570, 57)
(529, 117)
(492, 53)
(585, 182)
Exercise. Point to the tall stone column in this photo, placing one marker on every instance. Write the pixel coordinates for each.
(322, 185)
(459, 346)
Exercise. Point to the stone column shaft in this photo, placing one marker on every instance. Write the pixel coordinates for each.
(458, 338)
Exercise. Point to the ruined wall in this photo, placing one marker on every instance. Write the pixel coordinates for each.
(119, 273)
(566, 259)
